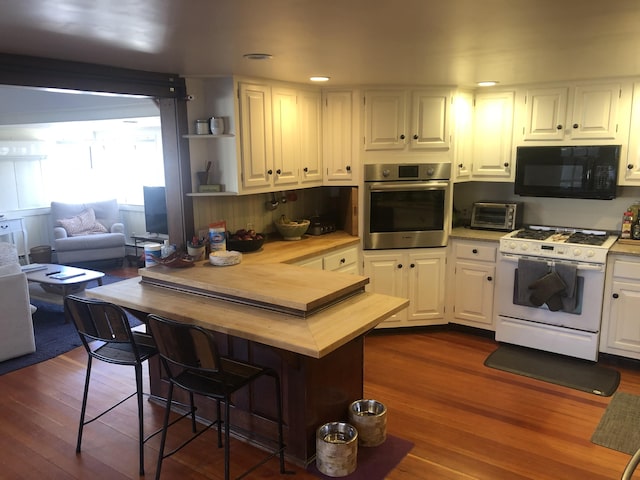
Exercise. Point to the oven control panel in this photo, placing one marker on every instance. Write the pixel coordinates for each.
(582, 253)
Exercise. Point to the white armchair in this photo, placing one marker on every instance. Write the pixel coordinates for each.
(16, 325)
(87, 232)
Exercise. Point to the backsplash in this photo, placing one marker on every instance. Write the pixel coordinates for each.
(562, 212)
(243, 210)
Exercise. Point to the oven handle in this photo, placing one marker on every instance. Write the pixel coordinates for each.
(393, 187)
(579, 265)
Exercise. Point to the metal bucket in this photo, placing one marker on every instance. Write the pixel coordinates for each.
(370, 419)
(336, 449)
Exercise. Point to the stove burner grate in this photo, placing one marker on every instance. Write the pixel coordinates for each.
(531, 234)
(586, 238)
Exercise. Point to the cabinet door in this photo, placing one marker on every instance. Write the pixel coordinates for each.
(384, 120)
(624, 328)
(493, 127)
(337, 136)
(426, 275)
(286, 136)
(430, 119)
(595, 111)
(386, 276)
(474, 292)
(463, 137)
(310, 118)
(629, 173)
(546, 111)
(256, 138)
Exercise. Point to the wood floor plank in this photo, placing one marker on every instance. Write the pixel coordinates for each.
(466, 421)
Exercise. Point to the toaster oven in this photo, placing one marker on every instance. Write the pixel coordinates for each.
(505, 216)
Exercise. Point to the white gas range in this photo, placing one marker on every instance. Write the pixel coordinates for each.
(550, 285)
(559, 243)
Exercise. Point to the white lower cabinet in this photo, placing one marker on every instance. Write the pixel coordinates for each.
(471, 283)
(415, 274)
(620, 331)
(344, 260)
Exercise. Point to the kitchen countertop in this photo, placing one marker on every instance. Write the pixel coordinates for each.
(625, 249)
(473, 234)
(292, 251)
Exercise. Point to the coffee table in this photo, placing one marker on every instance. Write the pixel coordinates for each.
(52, 282)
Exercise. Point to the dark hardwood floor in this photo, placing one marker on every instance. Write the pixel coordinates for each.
(467, 421)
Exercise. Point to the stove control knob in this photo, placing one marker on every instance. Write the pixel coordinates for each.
(512, 245)
(577, 252)
(590, 253)
(524, 246)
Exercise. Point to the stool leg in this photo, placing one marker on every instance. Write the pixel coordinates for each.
(280, 433)
(140, 416)
(84, 404)
(165, 427)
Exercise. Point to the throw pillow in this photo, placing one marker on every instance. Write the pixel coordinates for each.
(82, 224)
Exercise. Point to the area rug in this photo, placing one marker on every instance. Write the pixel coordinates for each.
(618, 427)
(53, 335)
(553, 368)
(374, 463)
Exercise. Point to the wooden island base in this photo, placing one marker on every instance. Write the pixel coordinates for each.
(320, 357)
(314, 391)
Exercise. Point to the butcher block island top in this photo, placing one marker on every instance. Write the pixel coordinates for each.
(315, 335)
(285, 288)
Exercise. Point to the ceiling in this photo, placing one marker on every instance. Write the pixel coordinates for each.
(431, 42)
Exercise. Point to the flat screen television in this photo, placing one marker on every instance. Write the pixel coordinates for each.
(155, 210)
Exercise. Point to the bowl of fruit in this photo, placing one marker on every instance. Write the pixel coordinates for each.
(291, 229)
(244, 241)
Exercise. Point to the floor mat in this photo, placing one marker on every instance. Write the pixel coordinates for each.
(618, 427)
(374, 463)
(553, 368)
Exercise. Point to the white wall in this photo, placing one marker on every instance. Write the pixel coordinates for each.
(561, 212)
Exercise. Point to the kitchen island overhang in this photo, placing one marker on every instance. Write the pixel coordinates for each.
(320, 357)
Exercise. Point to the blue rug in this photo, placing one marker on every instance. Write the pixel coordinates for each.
(53, 335)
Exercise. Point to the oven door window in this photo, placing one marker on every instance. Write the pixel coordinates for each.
(407, 211)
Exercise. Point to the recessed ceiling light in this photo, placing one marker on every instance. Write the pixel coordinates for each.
(258, 56)
(319, 79)
(489, 83)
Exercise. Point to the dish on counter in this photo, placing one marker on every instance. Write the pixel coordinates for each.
(224, 258)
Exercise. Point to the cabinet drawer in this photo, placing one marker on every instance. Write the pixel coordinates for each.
(626, 269)
(10, 226)
(340, 259)
(486, 253)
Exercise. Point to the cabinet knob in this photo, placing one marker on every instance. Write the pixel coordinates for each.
(270, 172)
(630, 167)
(402, 137)
(615, 295)
(559, 127)
(460, 165)
(575, 125)
(475, 251)
(399, 265)
(305, 169)
(348, 168)
(413, 265)
(415, 137)
(506, 164)
(343, 260)
(489, 278)
(278, 171)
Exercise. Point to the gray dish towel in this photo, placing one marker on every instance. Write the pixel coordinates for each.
(527, 273)
(548, 289)
(569, 275)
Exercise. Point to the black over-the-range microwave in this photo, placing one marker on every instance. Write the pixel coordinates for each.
(589, 171)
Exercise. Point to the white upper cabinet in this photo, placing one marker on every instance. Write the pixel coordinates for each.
(310, 124)
(256, 136)
(462, 136)
(278, 143)
(339, 159)
(398, 119)
(590, 112)
(492, 137)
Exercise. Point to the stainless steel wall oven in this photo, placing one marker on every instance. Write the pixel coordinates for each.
(406, 205)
